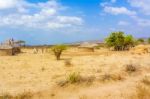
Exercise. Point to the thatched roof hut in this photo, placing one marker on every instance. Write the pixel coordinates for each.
(7, 51)
(140, 49)
(87, 47)
(9, 47)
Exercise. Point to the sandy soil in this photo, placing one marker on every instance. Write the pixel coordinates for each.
(41, 73)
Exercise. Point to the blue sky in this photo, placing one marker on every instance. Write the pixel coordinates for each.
(62, 21)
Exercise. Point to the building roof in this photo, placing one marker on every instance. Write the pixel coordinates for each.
(5, 47)
(88, 45)
(8, 44)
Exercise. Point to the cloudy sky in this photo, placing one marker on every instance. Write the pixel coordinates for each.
(61, 21)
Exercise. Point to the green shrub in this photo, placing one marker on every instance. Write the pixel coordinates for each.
(148, 40)
(131, 68)
(140, 40)
(58, 49)
(146, 80)
(68, 62)
(111, 77)
(120, 41)
(142, 92)
(6, 96)
(25, 95)
(74, 77)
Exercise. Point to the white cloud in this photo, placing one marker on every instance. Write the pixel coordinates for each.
(73, 20)
(104, 4)
(118, 10)
(141, 21)
(41, 15)
(113, 1)
(143, 5)
(5, 4)
(123, 23)
(107, 3)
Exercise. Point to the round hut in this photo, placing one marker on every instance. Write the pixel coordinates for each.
(9, 47)
(6, 51)
(140, 49)
(87, 47)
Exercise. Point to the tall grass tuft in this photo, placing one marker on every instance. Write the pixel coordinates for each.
(74, 77)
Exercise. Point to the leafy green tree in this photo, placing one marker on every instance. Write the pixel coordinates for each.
(129, 41)
(120, 41)
(148, 40)
(116, 40)
(58, 49)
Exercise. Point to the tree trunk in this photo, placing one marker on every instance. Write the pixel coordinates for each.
(58, 57)
(58, 54)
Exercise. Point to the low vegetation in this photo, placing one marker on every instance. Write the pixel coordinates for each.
(140, 41)
(111, 77)
(74, 77)
(58, 49)
(68, 62)
(146, 80)
(101, 73)
(120, 41)
(25, 95)
(130, 68)
(148, 40)
(142, 92)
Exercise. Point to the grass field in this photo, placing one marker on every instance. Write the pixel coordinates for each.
(101, 74)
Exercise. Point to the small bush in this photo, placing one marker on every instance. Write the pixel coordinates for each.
(62, 83)
(131, 68)
(74, 78)
(140, 40)
(58, 49)
(142, 92)
(43, 69)
(148, 40)
(25, 95)
(117, 77)
(146, 80)
(83, 97)
(6, 96)
(106, 77)
(68, 62)
(97, 47)
(111, 77)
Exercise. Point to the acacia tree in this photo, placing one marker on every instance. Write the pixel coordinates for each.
(21, 42)
(119, 41)
(57, 50)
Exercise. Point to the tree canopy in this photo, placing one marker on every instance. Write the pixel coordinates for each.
(120, 41)
(58, 49)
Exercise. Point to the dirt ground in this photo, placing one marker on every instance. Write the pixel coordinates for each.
(43, 76)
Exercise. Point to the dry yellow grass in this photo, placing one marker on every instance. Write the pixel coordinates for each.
(40, 74)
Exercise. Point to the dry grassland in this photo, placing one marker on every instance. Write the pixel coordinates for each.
(101, 74)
